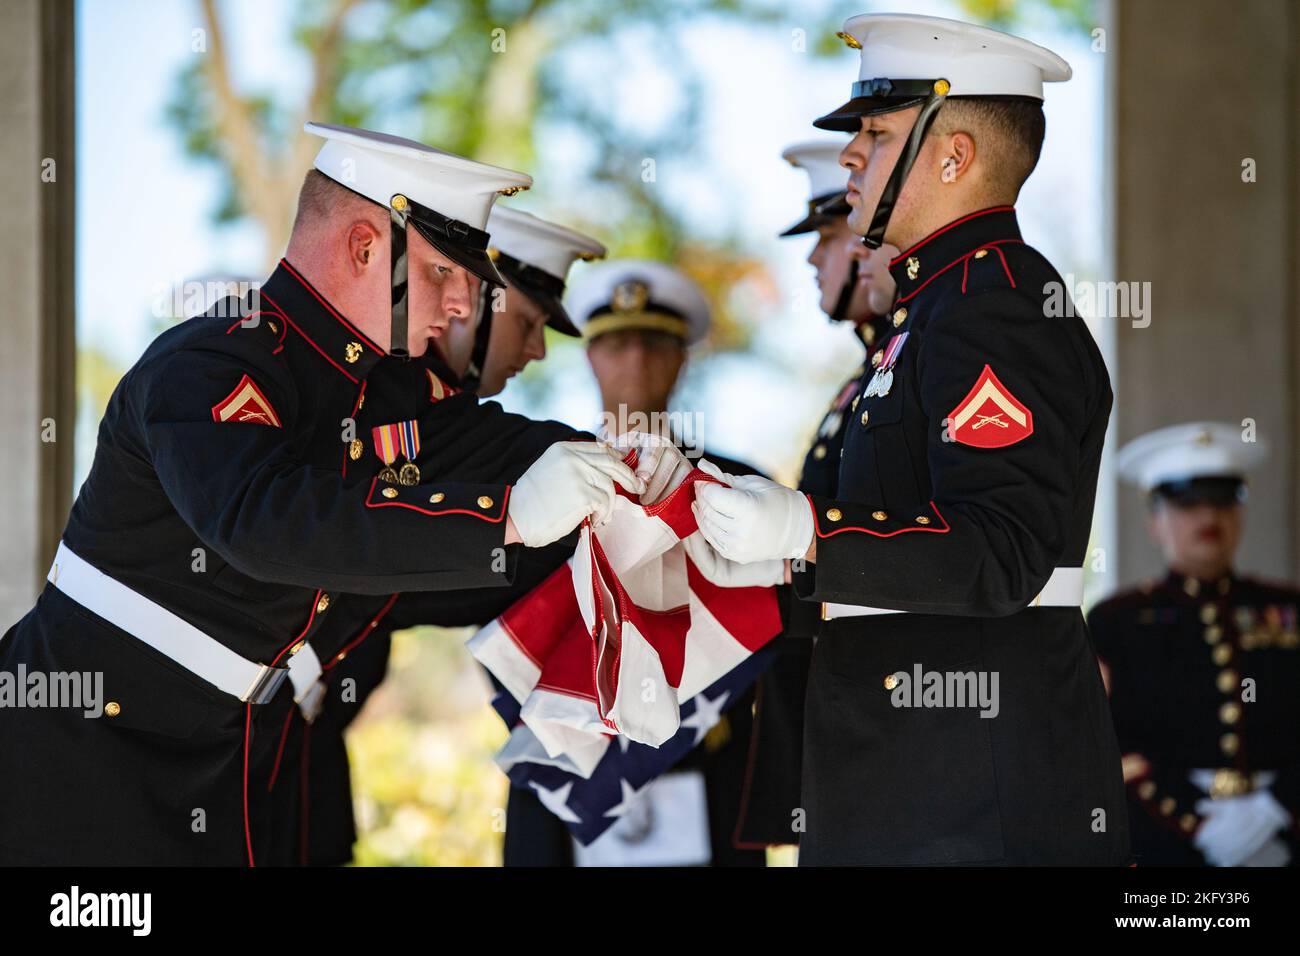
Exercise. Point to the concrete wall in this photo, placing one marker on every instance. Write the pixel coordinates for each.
(1195, 88)
(37, 349)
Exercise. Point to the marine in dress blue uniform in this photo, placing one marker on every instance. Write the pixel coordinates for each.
(533, 257)
(955, 537)
(1203, 666)
(221, 517)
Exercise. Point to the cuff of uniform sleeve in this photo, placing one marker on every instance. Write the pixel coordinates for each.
(1171, 803)
(484, 502)
(840, 527)
(470, 550)
(832, 517)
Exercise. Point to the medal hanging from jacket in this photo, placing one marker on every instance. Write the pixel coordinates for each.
(883, 380)
(400, 438)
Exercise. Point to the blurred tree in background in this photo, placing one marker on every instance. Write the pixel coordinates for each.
(479, 78)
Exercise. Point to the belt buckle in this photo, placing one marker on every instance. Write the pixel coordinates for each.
(265, 684)
(1230, 783)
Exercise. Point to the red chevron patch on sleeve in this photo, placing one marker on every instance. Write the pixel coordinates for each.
(246, 403)
(990, 416)
(438, 389)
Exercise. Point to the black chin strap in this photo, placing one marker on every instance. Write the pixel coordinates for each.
(482, 336)
(397, 336)
(841, 309)
(875, 235)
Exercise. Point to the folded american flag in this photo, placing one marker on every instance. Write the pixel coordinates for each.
(629, 642)
(590, 805)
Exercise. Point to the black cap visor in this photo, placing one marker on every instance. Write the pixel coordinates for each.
(873, 97)
(458, 241)
(822, 211)
(545, 290)
(1219, 490)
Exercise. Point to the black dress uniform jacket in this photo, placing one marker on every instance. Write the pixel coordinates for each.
(227, 488)
(770, 801)
(1178, 651)
(964, 537)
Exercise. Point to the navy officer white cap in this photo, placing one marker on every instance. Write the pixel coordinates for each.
(638, 294)
(1180, 453)
(971, 60)
(535, 256)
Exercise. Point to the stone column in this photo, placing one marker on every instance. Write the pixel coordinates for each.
(1197, 89)
(38, 348)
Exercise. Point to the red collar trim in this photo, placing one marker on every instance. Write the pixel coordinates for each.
(952, 225)
(365, 340)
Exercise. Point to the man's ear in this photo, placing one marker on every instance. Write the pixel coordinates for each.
(363, 247)
(961, 147)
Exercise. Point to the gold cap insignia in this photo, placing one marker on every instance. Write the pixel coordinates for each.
(941, 87)
(849, 40)
(399, 202)
(630, 296)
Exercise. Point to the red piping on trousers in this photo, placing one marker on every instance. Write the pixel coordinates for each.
(248, 723)
(279, 751)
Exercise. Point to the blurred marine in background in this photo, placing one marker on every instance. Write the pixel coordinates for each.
(1203, 666)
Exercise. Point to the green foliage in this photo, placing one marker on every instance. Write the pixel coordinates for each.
(1005, 14)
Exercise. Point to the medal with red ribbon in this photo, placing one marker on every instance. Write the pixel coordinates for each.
(399, 438)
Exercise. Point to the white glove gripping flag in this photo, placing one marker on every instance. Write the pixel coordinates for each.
(611, 643)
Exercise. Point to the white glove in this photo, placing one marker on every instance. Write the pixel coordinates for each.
(1236, 827)
(659, 461)
(753, 520)
(571, 480)
(731, 574)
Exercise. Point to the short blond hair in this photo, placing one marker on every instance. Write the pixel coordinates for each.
(321, 198)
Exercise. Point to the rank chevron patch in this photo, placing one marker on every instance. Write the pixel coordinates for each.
(990, 416)
(246, 403)
(438, 389)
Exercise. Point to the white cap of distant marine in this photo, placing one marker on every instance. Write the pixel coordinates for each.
(545, 246)
(1191, 450)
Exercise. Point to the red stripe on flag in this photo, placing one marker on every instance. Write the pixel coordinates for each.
(750, 615)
